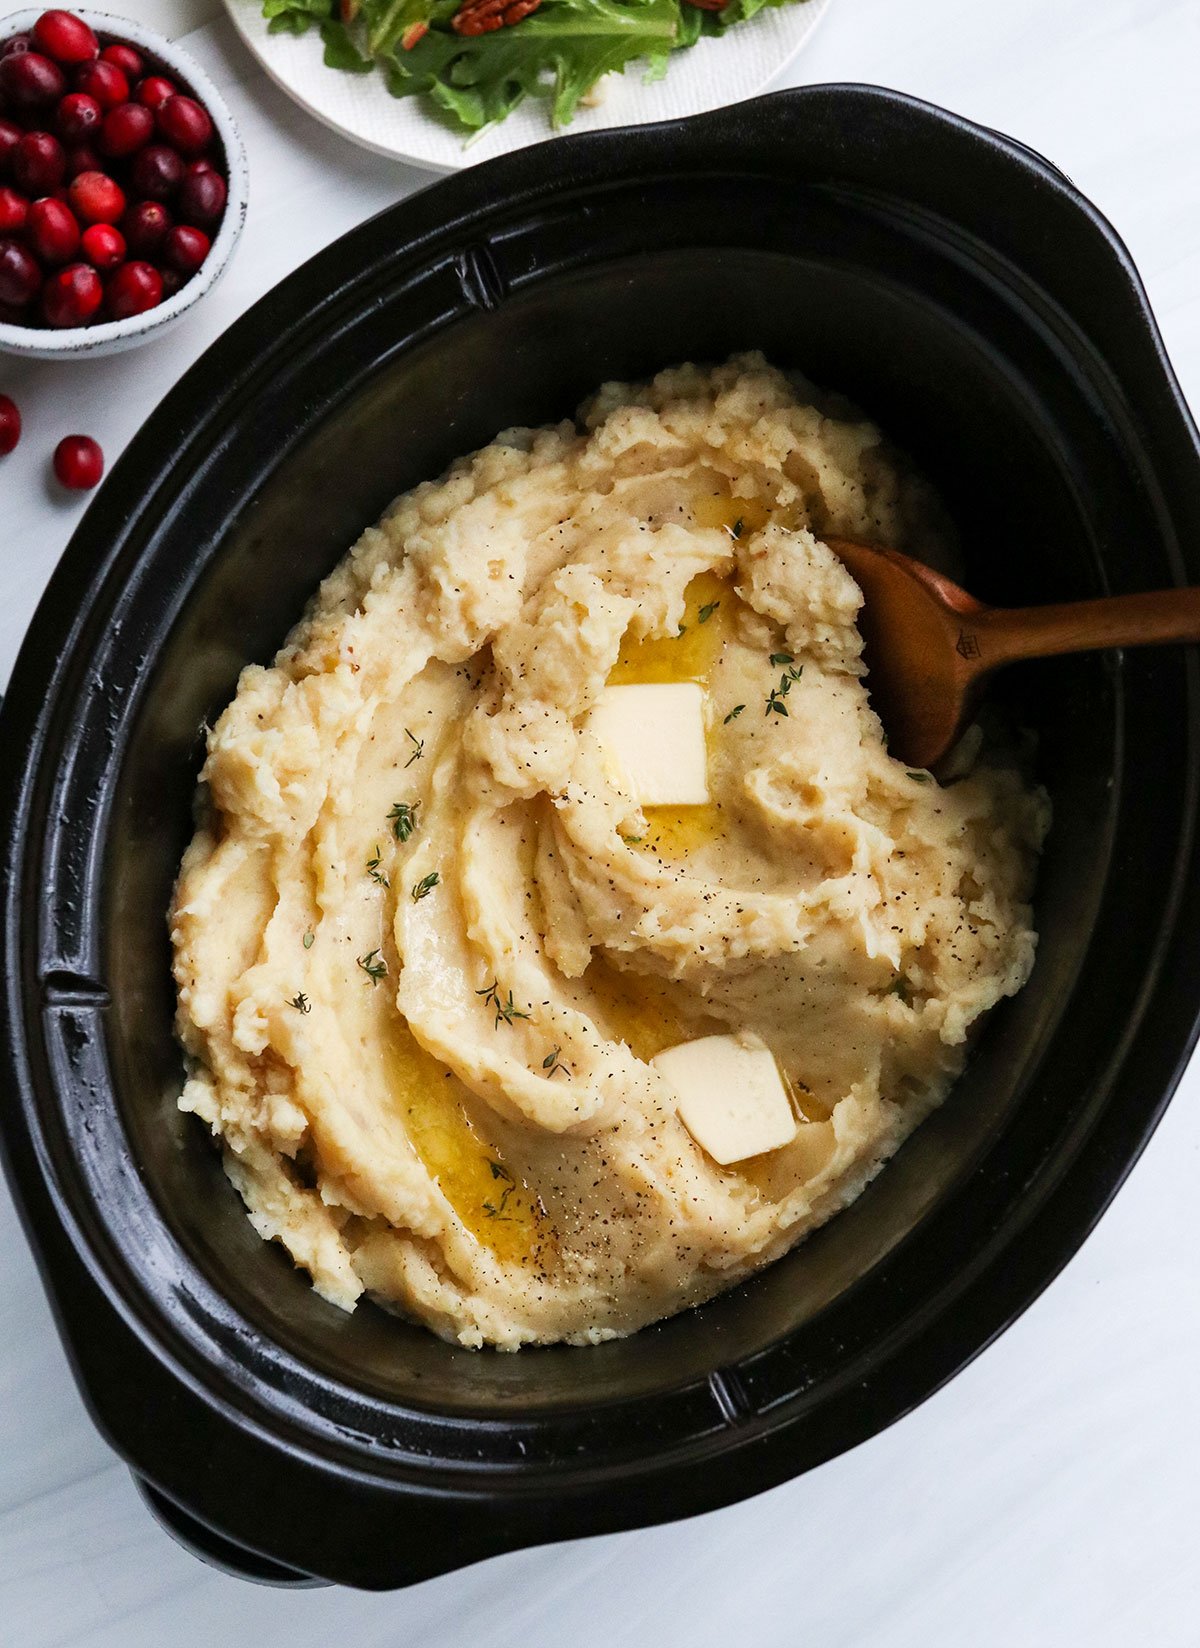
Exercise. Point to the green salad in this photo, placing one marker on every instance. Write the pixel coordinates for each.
(476, 60)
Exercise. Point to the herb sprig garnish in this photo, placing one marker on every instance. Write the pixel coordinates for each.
(425, 886)
(707, 610)
(373, 965)
(495, 1210)
(402, 816)
(419, 750)
(301, 1003)
(775, 698)
(375, 871)
(552, 1063)
(734, 713)
(506, 1011)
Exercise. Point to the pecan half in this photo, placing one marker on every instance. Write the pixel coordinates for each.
(483, 16)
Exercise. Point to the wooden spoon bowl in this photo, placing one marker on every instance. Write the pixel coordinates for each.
(929, 646)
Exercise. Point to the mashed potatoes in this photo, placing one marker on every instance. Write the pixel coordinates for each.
(428, 943)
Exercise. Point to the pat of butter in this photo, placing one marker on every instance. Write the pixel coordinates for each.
(732, 1098)
(655, 735)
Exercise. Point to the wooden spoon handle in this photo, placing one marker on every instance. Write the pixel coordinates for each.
(1002, 635)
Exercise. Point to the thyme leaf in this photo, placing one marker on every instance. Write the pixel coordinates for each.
(921, 777)
(308, 938)
(782, 658)
(775, 699)
(734, 713)
(301, 1003)
(552, 1062)
(403, 818)
(418, 751)
(425, 886)
(506, 1011)
(738, 527)
(375, 872)
(373, 965)
(707, 611)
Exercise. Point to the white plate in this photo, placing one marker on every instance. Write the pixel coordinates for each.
(712, 73)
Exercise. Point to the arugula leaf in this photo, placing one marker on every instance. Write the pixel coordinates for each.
(295, 16)
(340, 50)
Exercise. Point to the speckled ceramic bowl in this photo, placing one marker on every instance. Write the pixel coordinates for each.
(108, 337)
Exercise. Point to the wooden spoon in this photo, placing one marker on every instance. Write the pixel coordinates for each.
(929, 646)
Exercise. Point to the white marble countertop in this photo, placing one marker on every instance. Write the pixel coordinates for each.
(1051, 1494)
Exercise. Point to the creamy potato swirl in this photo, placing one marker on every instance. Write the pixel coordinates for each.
(426, 943)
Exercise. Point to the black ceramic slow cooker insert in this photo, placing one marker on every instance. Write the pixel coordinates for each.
(965, 295)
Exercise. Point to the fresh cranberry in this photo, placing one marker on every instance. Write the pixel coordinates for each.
(30, 81)
(184, 124)
(83, 158)
(103, 246)
(127, 127)
(52, 231)
(173, 282)
(185, 248)
(20, 277)
(132, 289)
(14, 209)
(157, 172)
(124, 58)
(78, 462)
(39, 163)
(195, 167)
(77, 117)
(10, 136)
(202, 198)
(145, 226)
(10, 424)
(16, 44)
(72, 295)
(104, 82)
(95, 198)
(154, 90)
(65, 37)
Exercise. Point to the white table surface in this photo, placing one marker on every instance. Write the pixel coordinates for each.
(1051, 1494)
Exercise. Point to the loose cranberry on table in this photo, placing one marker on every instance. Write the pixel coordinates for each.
(72, 295)
(155, 90)
(30, 81)
(78, 462)
(103, 246)
(14, 209)
(20, 274)
(202, 196)
(132, 289)
(10, 424)
(95, 198)
(77, 117)
(157, 172)
(184, 124)
(126, 128)
(145, 226)
(104, 82)
(65, 37)
(39, 163)
(124, 58)
(52, 231)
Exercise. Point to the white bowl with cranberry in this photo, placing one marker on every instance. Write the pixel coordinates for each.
(122, 183)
